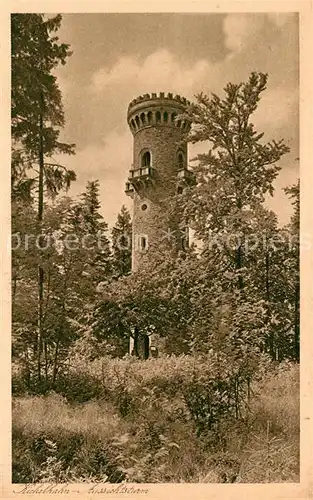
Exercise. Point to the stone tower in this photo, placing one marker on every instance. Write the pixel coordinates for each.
(159, 171)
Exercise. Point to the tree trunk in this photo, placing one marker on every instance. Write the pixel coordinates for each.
(27, 367)
(14, 286)
(46, 360)
(40, 268)
(239, 256)
(271, 346)
(40, 325)
(239, 268)
(55, 363)
(136, 339)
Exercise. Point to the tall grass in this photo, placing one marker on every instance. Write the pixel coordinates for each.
(139, 428)
(272, 452)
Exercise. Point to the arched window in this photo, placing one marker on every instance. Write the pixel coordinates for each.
(158, 117)
(137, 121)
(143, 118)
(146, 159)
(173, 117)
(165, 117)
(149, 116)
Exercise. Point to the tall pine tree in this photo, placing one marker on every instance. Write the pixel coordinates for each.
(37, 117)
(96, 231)
(122, 243)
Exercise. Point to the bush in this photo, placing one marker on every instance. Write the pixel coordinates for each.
(78, 387)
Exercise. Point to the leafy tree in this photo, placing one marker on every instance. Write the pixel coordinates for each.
(122, 243)
(72, 271)
(237, 172)
(225, 209)
(294, 193)
(152, 300)
(293, 263)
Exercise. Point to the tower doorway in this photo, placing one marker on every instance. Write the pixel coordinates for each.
(142, 346)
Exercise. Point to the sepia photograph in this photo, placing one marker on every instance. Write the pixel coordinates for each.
(155, 243)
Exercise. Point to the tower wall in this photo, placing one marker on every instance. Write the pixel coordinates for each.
(159, 152)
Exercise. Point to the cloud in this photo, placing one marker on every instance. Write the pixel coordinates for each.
(240, 29)
(111, 88)
(277, 108)
(159, 71)
(108, 162)
(107, 151)
(281, 18)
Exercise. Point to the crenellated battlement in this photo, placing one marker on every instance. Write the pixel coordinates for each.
(160, 95)
(157, 109)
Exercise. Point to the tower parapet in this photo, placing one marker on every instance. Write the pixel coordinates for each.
(161, 109)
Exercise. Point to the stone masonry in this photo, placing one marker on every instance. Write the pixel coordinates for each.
(158, 173)
(159, 167)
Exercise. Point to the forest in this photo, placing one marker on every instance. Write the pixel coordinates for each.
(220, 404)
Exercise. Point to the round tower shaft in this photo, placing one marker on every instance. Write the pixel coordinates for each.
(158, 173)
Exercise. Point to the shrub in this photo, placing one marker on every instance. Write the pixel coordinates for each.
(79, 387)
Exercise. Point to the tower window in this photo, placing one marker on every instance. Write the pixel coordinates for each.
(146, 159)
(158, 117)
(137, 121)
(165, 116)
(143, 118)
(173, 117)
(143, 243)
(149, 116)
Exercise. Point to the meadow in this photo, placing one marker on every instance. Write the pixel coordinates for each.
(159, 420)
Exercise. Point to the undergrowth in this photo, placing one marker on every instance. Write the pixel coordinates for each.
(171, 419)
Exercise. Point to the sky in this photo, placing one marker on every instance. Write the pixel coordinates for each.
(117, 57)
